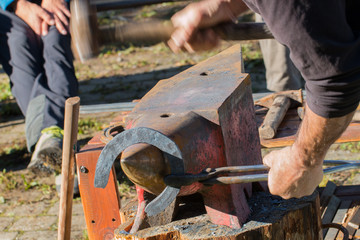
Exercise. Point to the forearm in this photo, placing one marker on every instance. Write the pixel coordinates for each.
(297, 170)
(316, 135)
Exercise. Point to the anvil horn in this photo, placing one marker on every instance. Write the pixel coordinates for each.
(141, 135)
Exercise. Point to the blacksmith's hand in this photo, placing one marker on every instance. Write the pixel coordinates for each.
(204, 15)
(288, 176)
(35, 16)
(61, 13)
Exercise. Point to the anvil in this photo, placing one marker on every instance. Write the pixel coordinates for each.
(201, 118)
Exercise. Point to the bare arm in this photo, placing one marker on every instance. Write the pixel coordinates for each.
(297, 170)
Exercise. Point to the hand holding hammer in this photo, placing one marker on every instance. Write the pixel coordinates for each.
(87, 36)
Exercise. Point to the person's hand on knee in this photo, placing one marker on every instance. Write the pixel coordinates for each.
(59, 10)
(34, 15)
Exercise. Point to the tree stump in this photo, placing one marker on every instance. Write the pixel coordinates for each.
(271, 218)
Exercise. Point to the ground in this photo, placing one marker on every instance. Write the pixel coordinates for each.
(118, 74)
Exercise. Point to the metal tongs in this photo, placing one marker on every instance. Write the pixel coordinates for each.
(210, 176)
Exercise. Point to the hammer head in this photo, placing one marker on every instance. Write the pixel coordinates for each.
(295, 96)
(84, 29)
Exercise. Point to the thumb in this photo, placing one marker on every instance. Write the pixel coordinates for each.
(268, 160)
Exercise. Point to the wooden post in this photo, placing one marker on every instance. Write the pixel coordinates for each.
(67, 169)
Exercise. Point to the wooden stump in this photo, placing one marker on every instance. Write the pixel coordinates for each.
(271, 218)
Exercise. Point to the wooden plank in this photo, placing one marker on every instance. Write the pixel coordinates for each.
(350, 198)
(338, 218)
(330, 212)
(326, 194)
(351, 190)
(101, 206)
(357, 235)
(286, 137)
(353, 224)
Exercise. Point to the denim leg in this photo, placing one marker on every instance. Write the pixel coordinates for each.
(21, 56)
(60, 74)
(41, 73)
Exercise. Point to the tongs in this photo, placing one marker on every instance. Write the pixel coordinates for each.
(210, 176)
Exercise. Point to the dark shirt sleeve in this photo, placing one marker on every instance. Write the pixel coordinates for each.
(324, 41)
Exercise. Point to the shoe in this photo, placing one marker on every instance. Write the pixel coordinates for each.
(76, 191)
(48, 151)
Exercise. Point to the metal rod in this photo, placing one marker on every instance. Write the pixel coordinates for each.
(239, 169)
(263, 177)
(338, 162)
(341, 168)
(107, 107)
(209, 176)
(237, 179)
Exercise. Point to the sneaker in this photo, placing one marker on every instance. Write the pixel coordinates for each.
(48, 151)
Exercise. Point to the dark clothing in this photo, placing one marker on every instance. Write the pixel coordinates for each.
(41, 73)
(324, 41)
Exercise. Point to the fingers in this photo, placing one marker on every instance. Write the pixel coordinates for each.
(267, 160)
(178, 40)
(44, 28)
(64, 9)
(199, 41)
(187, 36)
(61, 16)
(63, 13)
(59, 25)
(60, 13)
(45, 16)
(288, 178)
(36, 27)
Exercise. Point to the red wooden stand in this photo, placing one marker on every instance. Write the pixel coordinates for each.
(101, 206)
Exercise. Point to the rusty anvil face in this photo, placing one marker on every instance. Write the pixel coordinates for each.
(208, 112)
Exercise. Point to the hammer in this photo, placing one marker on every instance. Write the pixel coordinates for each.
(87, 36)
(278, 104)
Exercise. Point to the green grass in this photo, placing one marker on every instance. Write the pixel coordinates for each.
(125, 187)
(146, 12)
(28, 184)
(353, 147)
(88, 125)
(251, 51)
(5, 92)
(8, 180)
(12, 149)
(12, 180)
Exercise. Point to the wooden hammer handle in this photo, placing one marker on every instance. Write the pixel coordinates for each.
(157, 31)
(72, 106)
(274, 117)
